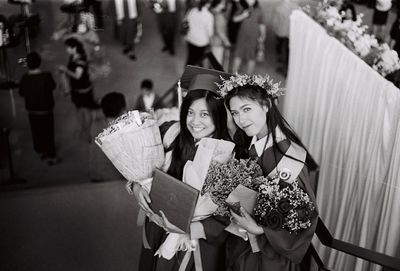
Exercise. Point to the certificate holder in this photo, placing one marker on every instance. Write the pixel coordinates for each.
(175, 198)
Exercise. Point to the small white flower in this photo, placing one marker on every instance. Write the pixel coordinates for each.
(256, 80)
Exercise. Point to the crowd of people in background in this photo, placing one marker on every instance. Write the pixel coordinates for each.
(233, 30)
(219, 26)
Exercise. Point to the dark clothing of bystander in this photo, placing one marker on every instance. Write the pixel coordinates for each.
(37, 89)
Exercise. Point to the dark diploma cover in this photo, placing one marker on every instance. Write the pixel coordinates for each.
(175, 198)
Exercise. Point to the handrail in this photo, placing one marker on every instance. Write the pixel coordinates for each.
(328, 240)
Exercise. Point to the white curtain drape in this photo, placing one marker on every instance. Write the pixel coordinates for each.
(348, 117)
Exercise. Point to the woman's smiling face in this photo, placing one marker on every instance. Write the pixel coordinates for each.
(250, 116)
(199, 121)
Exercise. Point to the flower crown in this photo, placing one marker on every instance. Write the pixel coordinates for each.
(239, 80)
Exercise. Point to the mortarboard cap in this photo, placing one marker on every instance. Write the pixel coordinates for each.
(201, 78)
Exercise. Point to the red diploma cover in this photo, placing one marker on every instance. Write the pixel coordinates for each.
(175, 198)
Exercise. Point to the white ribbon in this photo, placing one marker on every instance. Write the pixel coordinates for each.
(173, 243)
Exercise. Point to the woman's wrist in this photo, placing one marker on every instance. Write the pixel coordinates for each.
(258, 230)
(136, 186)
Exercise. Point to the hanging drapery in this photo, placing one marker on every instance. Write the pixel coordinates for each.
(348, 117)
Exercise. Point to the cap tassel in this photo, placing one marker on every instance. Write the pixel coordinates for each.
(179, 90)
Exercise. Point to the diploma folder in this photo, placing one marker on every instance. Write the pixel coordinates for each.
(175, 198)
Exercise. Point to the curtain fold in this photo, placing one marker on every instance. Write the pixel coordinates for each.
(347, 115)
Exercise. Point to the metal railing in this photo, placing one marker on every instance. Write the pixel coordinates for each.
(326, 238)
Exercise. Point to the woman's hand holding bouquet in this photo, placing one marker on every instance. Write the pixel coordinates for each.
(232, 186)
(283, 205)
(279, 203)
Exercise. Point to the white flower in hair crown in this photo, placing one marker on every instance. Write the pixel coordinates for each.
(239, 80)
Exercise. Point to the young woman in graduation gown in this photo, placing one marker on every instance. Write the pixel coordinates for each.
(275, 146)
(202, 115)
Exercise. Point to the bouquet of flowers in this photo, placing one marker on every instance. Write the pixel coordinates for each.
(209, 152)
(283, 205)
(387, 60)
(223, 179)
(133, 144)
(353, 34)
(233, 185)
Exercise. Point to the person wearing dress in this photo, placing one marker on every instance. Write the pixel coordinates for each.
(202, 115)
(251, 32)
(275, 146)
(220, 41)
(81, 88)
(234, 8)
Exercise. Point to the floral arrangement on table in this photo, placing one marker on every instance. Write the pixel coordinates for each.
(283, 205)
(354, 35)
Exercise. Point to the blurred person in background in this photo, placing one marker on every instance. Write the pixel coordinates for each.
(167, 18)
(379, 19)
(348, 10)
(100, 167)
(97, 10)
(148, 100)
(37, 86)
(201, 29)
(127, 21)
(252, 31)
(281, 27)
(81, 87)
(234, 8)
(219, 42)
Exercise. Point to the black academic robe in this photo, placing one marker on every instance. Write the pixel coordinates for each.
(280, 250)
(212, 249)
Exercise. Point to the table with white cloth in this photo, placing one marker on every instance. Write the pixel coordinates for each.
(348, 116)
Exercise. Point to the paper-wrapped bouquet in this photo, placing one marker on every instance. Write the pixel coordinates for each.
(133, 144)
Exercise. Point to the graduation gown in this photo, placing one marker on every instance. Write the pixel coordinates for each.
(280, 250)
(212, 249)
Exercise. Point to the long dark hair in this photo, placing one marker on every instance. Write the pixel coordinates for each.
(201, 4)
(274, 116)
(183, 147)
(74, 43)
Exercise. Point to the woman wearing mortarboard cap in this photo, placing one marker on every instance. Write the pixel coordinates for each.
(202, 114)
